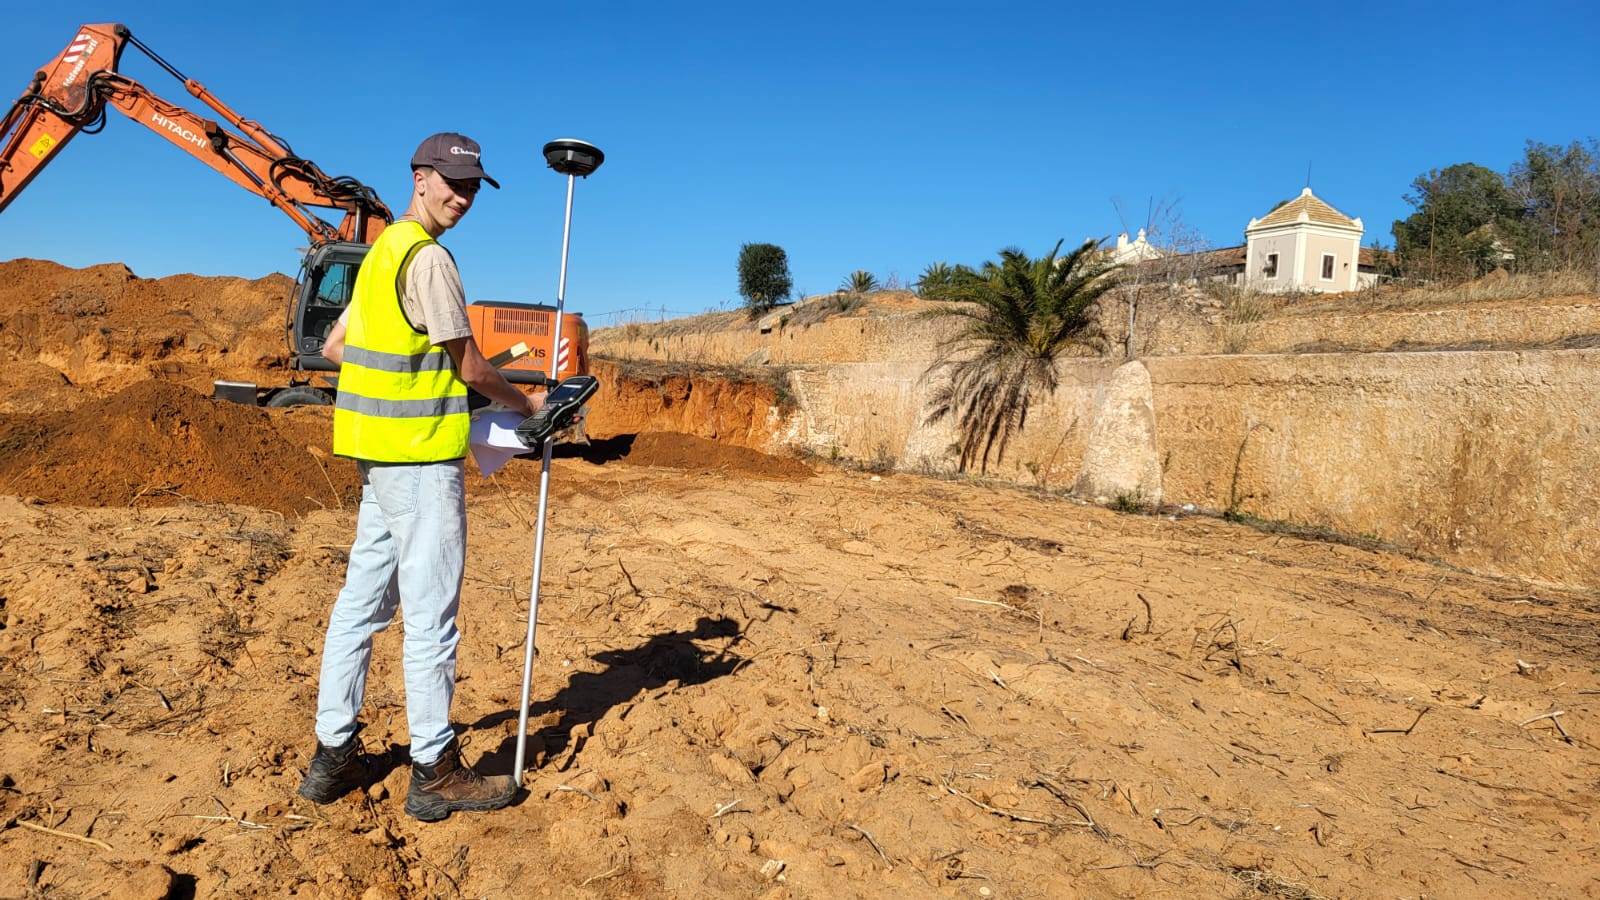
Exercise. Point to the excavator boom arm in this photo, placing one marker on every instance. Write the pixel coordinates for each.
(70, 97)
(56, 107)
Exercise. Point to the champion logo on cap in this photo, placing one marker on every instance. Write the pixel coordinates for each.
(444, 153)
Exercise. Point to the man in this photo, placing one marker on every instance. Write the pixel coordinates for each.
(407, 358)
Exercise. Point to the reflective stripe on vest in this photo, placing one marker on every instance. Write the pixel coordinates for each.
(400, 399)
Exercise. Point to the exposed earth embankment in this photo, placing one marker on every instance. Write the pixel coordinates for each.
(1411, 426)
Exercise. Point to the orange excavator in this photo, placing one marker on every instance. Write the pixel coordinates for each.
(70, 96)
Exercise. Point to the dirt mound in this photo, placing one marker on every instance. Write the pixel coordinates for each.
(105, 326)
(27, 386)
(160, 444)
(685, 451)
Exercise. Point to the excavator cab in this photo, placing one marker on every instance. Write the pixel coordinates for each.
(327, 282)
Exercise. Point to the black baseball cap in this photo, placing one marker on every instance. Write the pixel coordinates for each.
(453, 156)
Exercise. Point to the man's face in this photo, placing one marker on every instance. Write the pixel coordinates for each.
(445, 200)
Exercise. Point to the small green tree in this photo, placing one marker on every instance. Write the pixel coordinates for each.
(1017, 317)
(763, 277)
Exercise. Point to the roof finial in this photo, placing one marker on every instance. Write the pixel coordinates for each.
(1308, 174)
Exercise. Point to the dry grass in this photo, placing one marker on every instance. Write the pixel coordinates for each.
(1490, 290)
(705, 323)
(823, 307)
(806, 311)
(1267, 884)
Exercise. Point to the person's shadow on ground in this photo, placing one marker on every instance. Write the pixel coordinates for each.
(657, 662)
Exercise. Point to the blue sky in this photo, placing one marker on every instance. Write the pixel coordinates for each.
(855, 135)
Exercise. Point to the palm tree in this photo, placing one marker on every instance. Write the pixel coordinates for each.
(934, 278)
(1018, 316)
(859, 282)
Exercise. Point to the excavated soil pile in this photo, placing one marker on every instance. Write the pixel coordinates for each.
(681, 451)
(159, 444)
(105, 327)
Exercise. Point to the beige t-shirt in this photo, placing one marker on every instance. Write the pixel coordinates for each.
(434, 299)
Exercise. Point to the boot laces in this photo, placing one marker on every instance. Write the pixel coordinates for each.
(463, 771)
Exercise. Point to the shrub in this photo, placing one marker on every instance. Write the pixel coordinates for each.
(763, 277)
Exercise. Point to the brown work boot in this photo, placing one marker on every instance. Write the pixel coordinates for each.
(448, 786)
(335, 771)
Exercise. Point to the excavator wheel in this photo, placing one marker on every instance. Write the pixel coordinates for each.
(300, 396)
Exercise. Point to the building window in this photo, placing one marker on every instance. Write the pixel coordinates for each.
(1327, 267)
(1270, 270)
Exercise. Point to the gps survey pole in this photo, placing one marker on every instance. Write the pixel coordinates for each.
(572, 159)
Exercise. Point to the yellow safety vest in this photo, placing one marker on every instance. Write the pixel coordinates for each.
(400, 398)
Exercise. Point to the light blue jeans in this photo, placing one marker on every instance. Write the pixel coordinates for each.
(410, 552)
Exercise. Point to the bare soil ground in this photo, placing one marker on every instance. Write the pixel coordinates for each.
(757, 676)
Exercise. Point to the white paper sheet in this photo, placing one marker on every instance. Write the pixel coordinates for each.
(493, 439)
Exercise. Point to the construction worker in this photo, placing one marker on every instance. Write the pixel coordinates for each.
(407, 359)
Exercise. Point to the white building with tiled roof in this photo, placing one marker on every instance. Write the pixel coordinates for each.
(1304, 245)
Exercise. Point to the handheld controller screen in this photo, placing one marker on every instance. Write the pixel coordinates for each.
(560, 408)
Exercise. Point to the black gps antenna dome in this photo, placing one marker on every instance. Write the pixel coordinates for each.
(573, 157)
